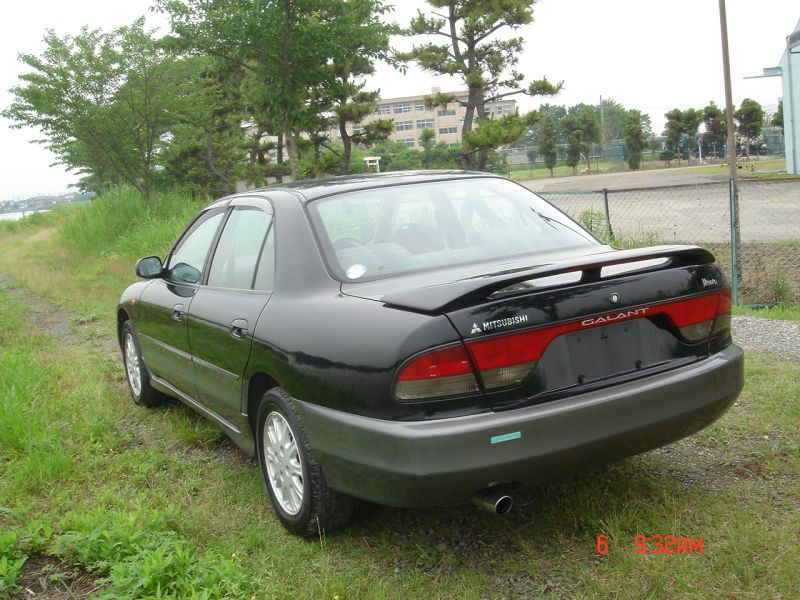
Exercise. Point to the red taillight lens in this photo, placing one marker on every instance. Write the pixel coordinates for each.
(445, 372)
(696, 318)
(508, 359)
(723, 319)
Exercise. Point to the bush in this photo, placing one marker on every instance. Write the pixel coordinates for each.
(667, 156)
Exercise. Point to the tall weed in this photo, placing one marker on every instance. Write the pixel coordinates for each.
(121, 223)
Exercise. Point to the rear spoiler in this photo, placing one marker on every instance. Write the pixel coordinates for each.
(447, 296)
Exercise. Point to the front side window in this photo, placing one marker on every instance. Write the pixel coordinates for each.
(188, 259)
(237, 253)
(392, 230)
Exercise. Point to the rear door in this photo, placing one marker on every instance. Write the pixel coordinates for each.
(164, 304)
(224, 311)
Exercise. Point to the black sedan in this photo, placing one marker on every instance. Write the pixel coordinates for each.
(419, 339)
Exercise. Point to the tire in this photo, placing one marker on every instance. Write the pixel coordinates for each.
(294, 480)
(136, 374)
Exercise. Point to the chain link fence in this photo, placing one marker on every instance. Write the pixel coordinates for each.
(767, 256)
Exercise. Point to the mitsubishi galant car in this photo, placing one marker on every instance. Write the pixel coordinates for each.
(426, 338)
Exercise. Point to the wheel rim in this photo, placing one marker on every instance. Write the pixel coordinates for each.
(284, 467)
(132, 365)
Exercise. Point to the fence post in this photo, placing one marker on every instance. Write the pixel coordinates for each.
(734, 241)
(608, 218)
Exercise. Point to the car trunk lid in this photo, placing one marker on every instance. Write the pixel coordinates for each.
(536, 333)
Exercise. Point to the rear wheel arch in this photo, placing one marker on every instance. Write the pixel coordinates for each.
(260, 383)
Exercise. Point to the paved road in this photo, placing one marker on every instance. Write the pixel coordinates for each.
(697, 211)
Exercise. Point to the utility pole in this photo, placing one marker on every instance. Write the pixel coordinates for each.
(734, 196)
(602, 125)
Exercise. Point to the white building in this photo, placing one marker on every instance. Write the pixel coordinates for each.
(790, 73)
(411, 116)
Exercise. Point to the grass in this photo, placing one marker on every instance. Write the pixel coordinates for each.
(528, 171)
(537, 171)
(784, 312)
(155, 503)
(768, 164)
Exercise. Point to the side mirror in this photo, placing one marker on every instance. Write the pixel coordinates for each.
(149, 267)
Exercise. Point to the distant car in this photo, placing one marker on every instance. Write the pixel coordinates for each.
(419, 339)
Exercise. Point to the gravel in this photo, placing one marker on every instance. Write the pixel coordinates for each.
(768, 335)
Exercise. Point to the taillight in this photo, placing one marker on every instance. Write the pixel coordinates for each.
(443, 372)
(697, 318)
(722, 322)
(509, 359)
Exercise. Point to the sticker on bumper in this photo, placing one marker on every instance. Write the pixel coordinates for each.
(506, 437)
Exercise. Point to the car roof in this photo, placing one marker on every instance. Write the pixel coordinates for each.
(311, 189)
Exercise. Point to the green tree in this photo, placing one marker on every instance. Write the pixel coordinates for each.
(103, 102)
(207, 148)
(572, 133)
(681, 129)
(493, 133)
(352, 109)
(292, 48)
(427, 141)
(635, 138)
(590, 131)
(750, 119)
(475, 51)
(365, 39)
(579, 131)
(532, 136)
(554, 111)
(777, 118)
(714, 121)
(547, 142)
(615, 119)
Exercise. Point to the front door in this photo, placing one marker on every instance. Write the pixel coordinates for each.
(224, 312)
(164, 305)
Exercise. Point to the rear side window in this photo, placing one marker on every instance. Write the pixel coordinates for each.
(265, 274)
(385, 231)
(236, 257)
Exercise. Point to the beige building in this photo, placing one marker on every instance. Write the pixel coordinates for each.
(411, 116)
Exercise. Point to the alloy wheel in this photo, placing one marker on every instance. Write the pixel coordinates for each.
(284, 467)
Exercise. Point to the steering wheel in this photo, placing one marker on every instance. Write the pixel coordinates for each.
(343, 243)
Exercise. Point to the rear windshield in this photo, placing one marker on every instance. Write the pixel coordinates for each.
(398, 229)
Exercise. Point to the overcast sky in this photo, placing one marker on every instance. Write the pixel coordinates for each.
(646, 55)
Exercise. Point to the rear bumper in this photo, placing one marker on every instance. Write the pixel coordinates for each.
(444, 461)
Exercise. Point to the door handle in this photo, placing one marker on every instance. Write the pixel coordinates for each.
(238, 328)
(178, 312)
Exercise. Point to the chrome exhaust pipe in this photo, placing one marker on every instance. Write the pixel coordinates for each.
(493, 500)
